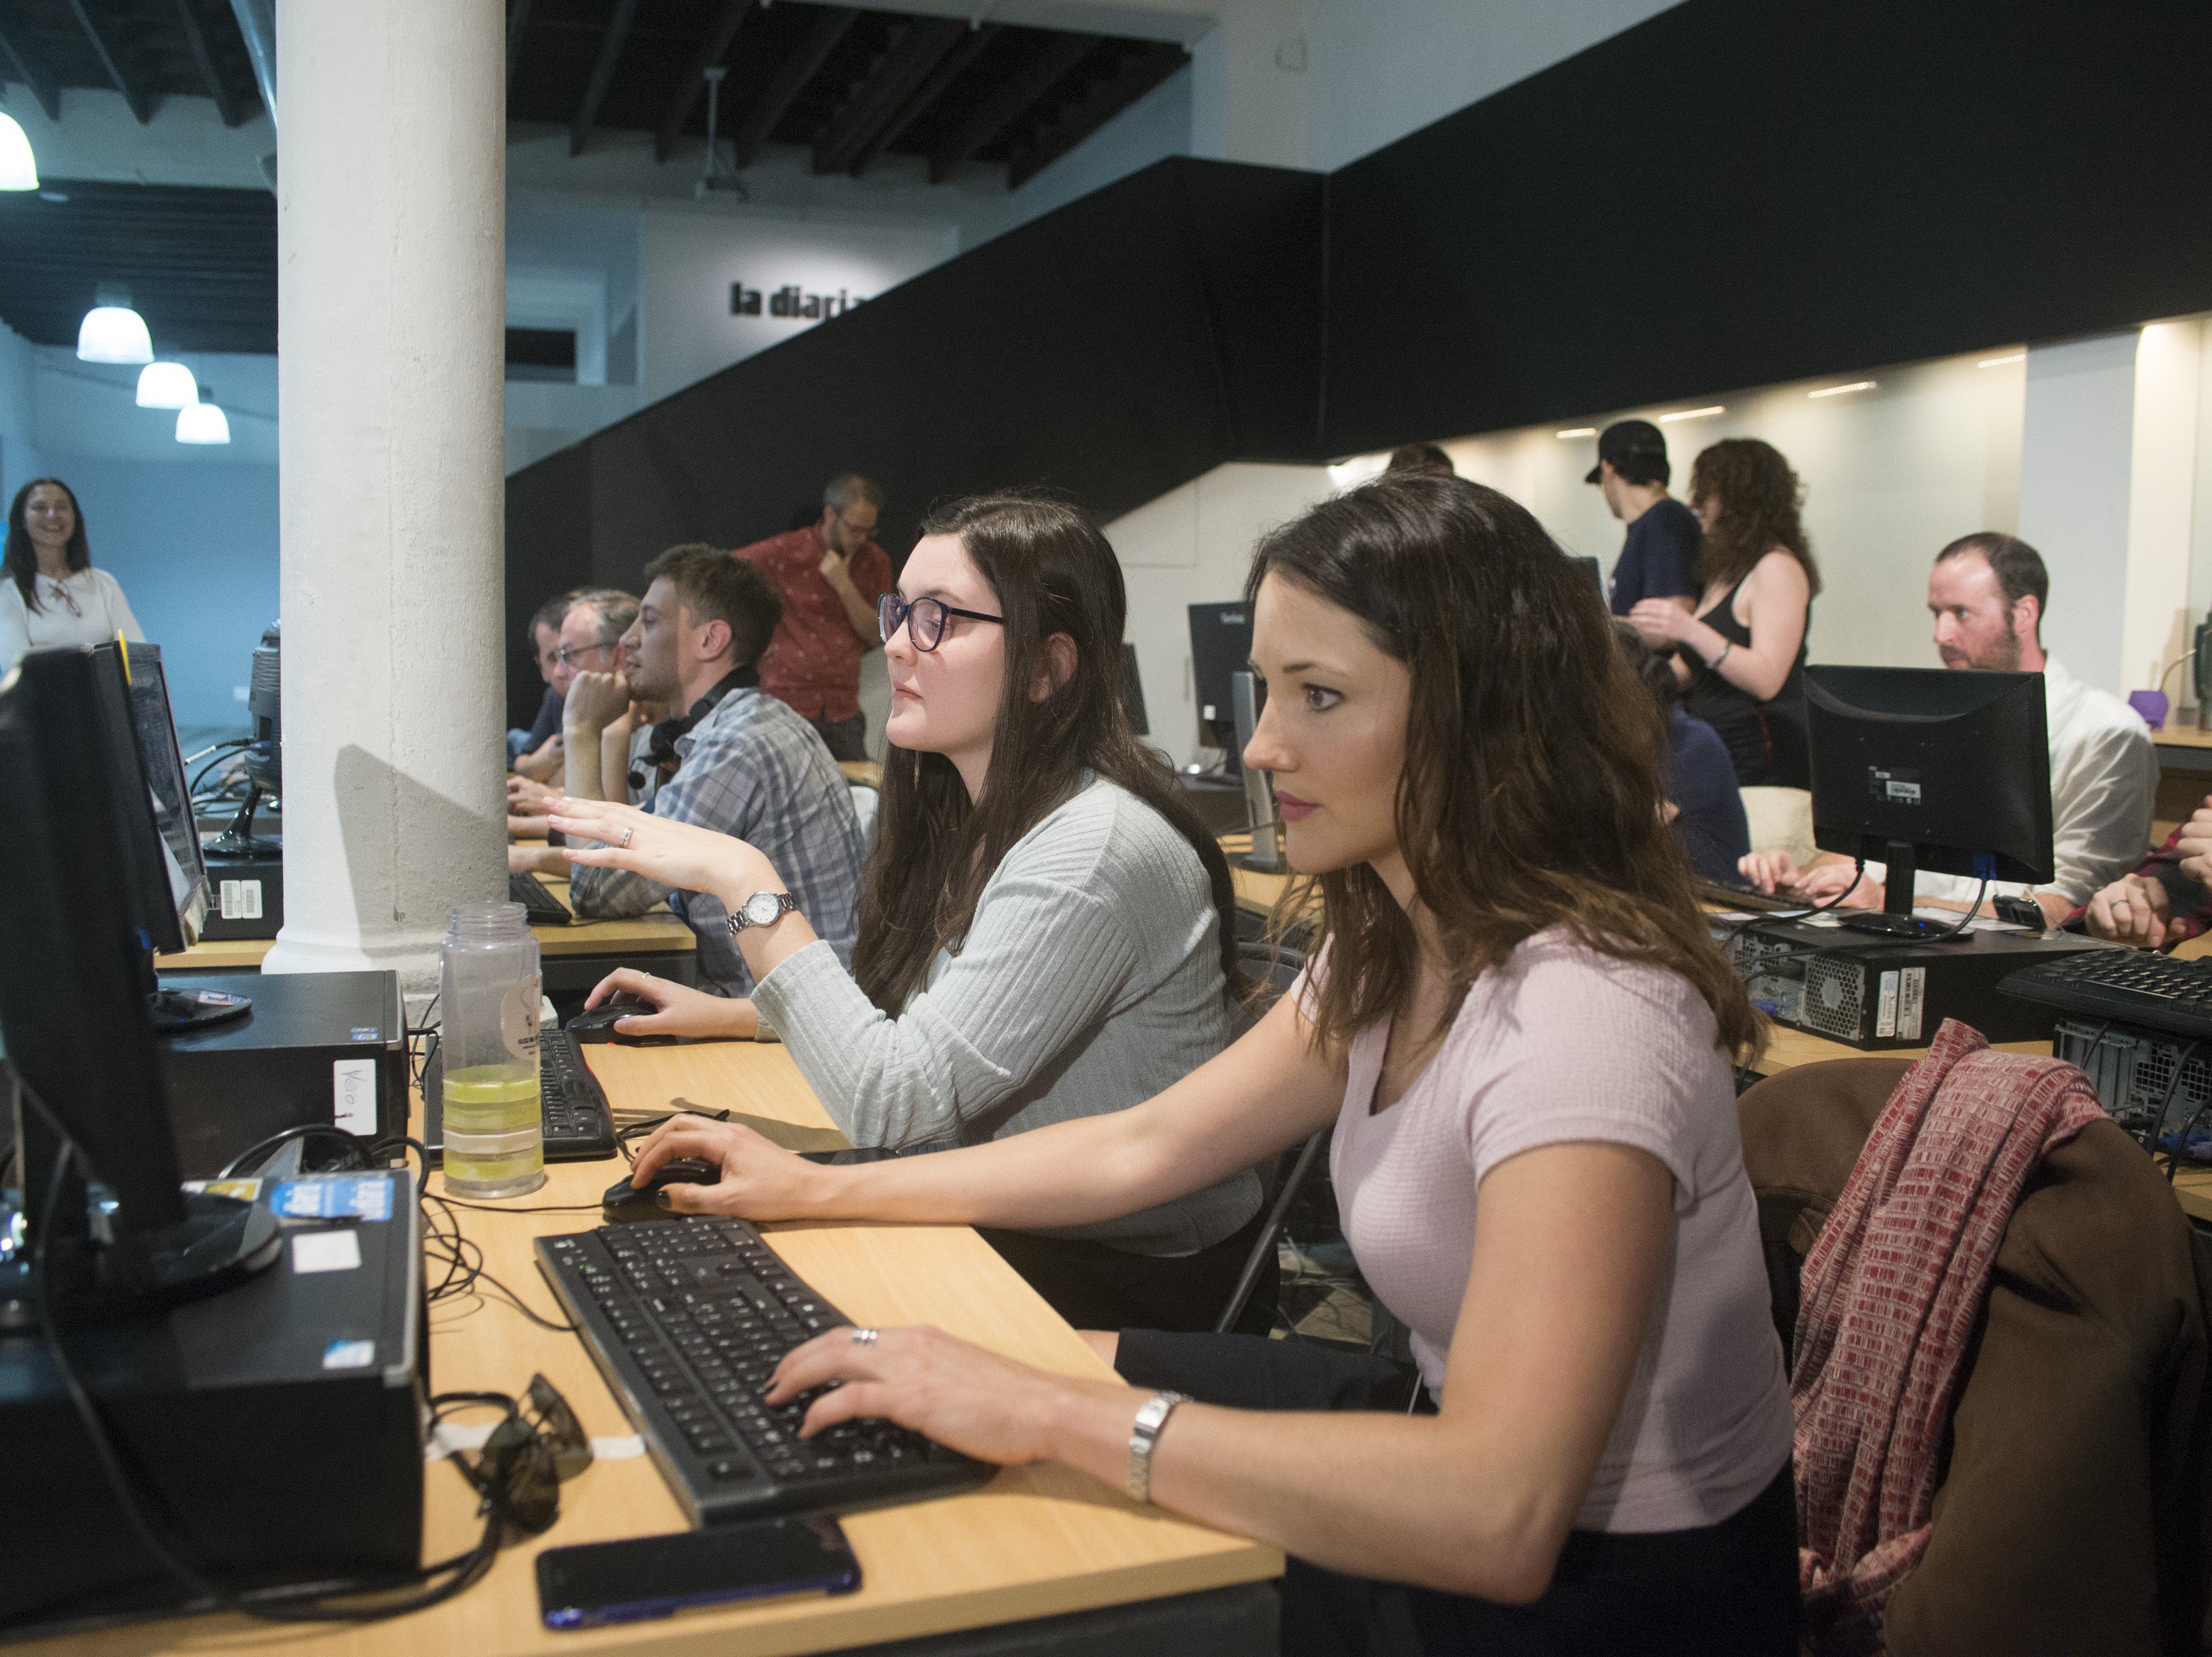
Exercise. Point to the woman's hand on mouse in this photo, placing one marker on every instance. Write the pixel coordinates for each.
(759, 1180)
(676, 1008)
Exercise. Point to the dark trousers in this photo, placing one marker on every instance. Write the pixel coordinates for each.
(848, 738)
(1724, 1590)
(1096, 1286)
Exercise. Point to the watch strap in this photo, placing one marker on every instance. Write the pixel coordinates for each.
(736, 922)
(1144, 1432)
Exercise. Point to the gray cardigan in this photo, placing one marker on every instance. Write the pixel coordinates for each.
(1090, 980)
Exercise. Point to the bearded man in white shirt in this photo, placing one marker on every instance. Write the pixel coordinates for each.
(1987, 593)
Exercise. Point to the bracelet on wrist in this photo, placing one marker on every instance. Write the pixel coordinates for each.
(1727, 645)
(1144, 1432)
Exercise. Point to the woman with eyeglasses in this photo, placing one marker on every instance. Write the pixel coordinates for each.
(1046, 930)
(52, 594)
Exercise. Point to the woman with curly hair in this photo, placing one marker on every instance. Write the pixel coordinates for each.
(1742, 658)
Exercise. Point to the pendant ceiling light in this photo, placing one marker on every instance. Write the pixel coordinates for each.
(202, 422)
(166, 385)
(19, 170)
(115, 333)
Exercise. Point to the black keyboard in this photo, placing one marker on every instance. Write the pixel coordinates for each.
(1726, 895)
(579, 1125)
(2128, 986)
(686, 1319)
(541, 908)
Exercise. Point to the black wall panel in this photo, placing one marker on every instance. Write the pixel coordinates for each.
(546, 504)
(1112, 351)
(1737, 192)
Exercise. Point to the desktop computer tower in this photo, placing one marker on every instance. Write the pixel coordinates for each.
(246, 894)
(278, 1421)
(316, 1047)
(1870, 991)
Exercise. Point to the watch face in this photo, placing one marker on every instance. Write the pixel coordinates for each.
(761, 909)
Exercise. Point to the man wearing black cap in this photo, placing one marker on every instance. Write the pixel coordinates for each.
(1659, 560)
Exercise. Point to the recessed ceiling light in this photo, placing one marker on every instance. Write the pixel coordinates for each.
(1693, 413)
(1579, 431)
(1998, 361)
(1837, 390)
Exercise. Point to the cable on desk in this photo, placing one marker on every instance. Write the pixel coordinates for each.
(523, 1208)
(465, 1266)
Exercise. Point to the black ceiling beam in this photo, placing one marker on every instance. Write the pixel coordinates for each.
(1138, 73)
(517, 19)
(789, 80)
(226, 105)
(135, 96)
(954, 64)
(1011, 100)
(31, 72)
(603, 73)
(926, 43)
(694, 82)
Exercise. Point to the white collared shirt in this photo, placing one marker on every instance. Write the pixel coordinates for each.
(2104, 783)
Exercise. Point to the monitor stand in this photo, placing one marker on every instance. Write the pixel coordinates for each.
(169, 1012)
(237, 840)
(1895, 918)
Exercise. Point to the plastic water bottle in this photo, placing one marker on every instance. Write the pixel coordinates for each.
(488, 991)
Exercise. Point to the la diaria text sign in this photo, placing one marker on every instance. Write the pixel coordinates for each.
(791, 301)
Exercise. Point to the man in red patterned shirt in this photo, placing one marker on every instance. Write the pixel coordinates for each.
(831, 574)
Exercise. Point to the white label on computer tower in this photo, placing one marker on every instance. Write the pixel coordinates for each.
(1885, 1017)
(241, 899)
(353, 1095)
(1912, 995)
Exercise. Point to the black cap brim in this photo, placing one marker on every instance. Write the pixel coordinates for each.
(1594, 471)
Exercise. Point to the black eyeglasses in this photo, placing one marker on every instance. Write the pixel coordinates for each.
(540, 1445)
(923, 619)
(576, 652)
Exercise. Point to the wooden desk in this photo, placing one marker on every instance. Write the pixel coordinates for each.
(1036, 1542)
(657, 941)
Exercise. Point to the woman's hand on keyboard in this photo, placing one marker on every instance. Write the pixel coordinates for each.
(760, 1181)
(962, 1396)
(678, 1009)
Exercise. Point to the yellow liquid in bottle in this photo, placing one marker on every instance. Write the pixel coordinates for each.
(468, 1174)
(492, 1098)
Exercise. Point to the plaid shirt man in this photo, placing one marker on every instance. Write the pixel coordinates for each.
(753, 768)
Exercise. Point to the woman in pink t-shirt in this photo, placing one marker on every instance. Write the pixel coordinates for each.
(1522, 1034)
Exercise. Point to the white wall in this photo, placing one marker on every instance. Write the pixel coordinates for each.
(2076, 459)
(1192, 546)
(687, 261)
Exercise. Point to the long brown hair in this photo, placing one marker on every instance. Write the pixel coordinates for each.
(1051, 572)
(1760, 499)
(1530, 795)
(20, 564)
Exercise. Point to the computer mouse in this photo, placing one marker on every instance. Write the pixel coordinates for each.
(625, 1201)
(597, 1023)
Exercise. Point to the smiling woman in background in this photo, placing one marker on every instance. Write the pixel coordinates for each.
(52, 595)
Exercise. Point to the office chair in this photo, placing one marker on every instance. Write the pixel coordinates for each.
(1282, 1176)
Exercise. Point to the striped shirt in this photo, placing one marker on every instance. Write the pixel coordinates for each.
(753, 768)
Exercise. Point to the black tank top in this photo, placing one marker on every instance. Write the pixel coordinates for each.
(1765, 739)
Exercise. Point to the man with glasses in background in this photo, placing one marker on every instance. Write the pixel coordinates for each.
(731, 758)
(587, 638)
(831, 574)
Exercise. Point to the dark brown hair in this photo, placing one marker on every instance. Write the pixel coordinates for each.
(1760, 500)
(2017, 566)
(1051, 572)
(712, 586)
(1421, 458)
(1530, 795)
(21, 563)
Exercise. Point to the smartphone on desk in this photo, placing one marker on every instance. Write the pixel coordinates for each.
(648, 1576)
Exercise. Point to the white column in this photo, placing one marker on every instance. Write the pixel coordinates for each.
(391, 201)
(2075, 470)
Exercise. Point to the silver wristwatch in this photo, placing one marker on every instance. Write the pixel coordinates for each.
(761, 909)
(1151, 1415)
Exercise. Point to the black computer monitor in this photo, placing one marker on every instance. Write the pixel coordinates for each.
(1930, 768)
(1132, 692)
(264, 762)
(164, 880)
(72, 1011)
(1220, 645)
